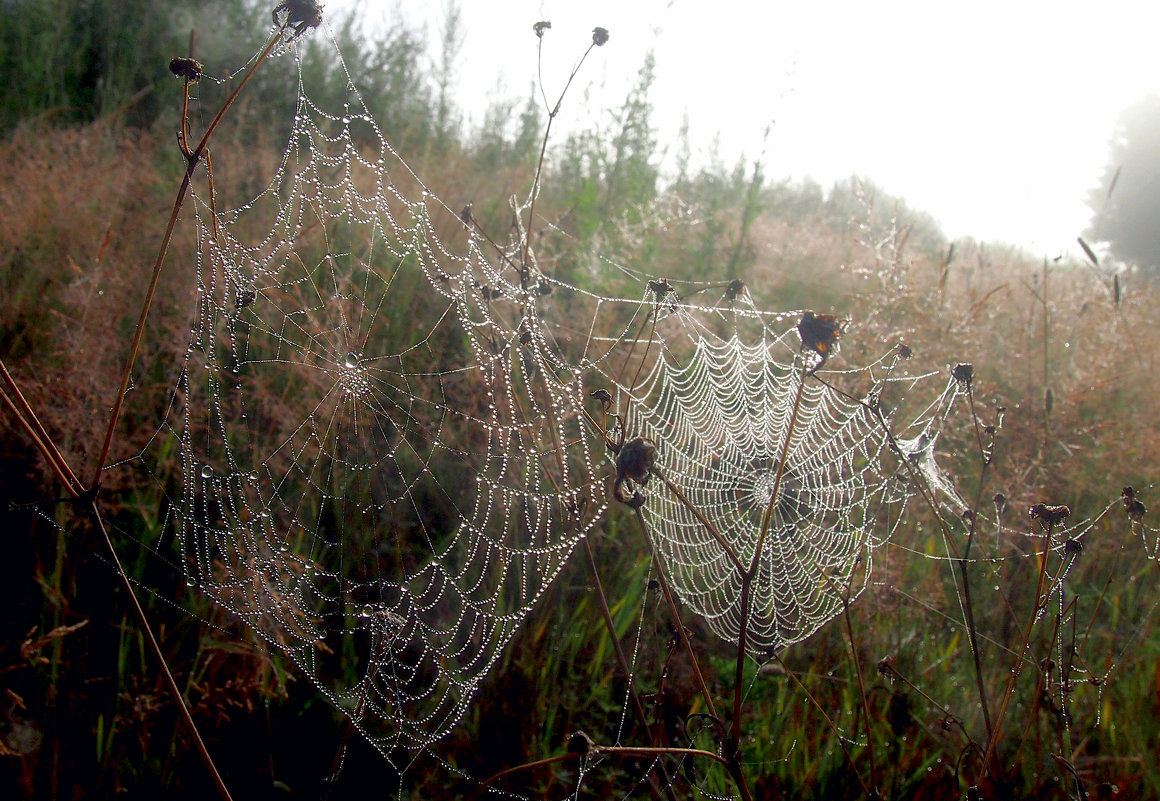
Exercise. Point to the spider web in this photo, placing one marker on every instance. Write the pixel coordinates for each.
(388, 446)
(380, 458)
(767, 464)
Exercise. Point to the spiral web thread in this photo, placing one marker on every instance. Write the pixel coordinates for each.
(388, 449)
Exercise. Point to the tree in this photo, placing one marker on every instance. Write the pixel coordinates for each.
(1126, 205)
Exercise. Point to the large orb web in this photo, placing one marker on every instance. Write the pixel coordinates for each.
(796, 473)
(383, 465)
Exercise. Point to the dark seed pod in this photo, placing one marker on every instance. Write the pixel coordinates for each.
(1073, 546)
(540, 27)
(599, 36)
(886, 667)
(1049, 514)
(186, 68)
(636, 458)
(735, 288)
(819, 332)
(580, 743)
(904, 351)
(1132, 505)
(602, 395)
(964, 373)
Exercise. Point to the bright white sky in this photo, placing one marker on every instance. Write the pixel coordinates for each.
(991, 116)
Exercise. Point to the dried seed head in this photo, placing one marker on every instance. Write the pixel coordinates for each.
(1049, 514)
(1073, 546)
(602, 395)
(1132, 505)
(964, 373)
(599, 36)
(580, 743)
(540, 27)
(186, 68)
(819, 333)
(636, 458)
(904, 351)
(302, 15)
(886, 667)
(735, 288)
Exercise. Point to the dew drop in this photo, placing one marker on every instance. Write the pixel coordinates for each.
(367, 611)
(351, 360)
(206, 471)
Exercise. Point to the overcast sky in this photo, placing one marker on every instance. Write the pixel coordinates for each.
(993, 117)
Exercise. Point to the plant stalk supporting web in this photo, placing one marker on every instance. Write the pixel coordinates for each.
(27, 419)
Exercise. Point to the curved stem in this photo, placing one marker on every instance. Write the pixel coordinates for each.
(193, 158)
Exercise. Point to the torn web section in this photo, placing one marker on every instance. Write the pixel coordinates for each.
(383, 465)
(750, 440)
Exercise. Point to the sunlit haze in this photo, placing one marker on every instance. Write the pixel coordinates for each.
(993, 117)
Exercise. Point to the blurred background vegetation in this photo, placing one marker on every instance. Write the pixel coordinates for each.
(88, 166)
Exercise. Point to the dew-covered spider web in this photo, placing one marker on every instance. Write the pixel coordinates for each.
(393, 430)
(765, 465)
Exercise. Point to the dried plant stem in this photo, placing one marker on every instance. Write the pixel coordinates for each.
(990, 754)
(748, 575)
(675, 613)
(861, 690)
(622, 661)
(15, 401)
(193, 158)
(27, 419)
(730, 760)
(155, 647)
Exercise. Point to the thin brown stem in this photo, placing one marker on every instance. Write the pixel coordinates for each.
(861, 690)
(675, 613)
(17, 404)
(155, 648)
(625, 670)
(748, 575)
(193, 158)
(829, 722)
(1037, 607)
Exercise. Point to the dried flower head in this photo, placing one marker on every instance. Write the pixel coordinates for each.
(904, 351)
(187, 68)
(964, 373)
(819, 333)
(599, 36)
(540, 27)
(580, 743)
(602, 395)
(634, 462)
(1132, 505)
(734, 290)
(302, 15)
(1049, 514)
